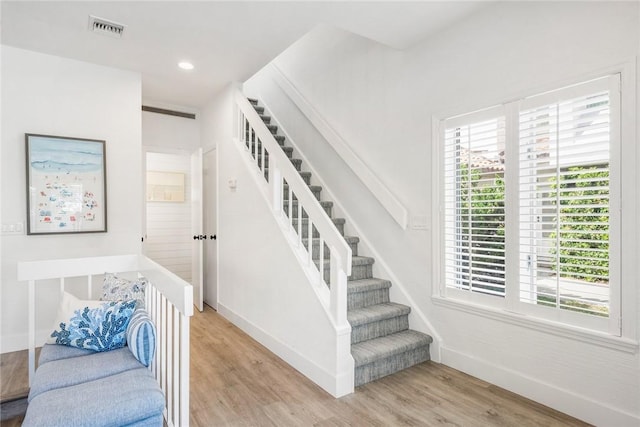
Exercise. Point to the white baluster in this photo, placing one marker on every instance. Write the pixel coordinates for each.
(321, 260)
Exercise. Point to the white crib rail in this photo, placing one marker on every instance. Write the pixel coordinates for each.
(169, 301)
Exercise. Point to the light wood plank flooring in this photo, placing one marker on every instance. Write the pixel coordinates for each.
(237, 382)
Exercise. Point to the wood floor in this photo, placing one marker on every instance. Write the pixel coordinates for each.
(237, 382)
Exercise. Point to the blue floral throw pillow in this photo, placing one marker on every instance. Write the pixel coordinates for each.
(116, 288)
(92, 325)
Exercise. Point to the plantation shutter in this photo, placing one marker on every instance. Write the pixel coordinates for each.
(474, 203)
(564, 206)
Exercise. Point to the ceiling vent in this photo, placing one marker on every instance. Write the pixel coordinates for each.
(106, 27)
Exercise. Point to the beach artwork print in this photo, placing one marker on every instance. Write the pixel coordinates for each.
(66, 185)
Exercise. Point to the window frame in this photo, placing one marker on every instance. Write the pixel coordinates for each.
(616, 331)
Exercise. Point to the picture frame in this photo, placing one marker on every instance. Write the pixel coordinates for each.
(66, 185)
(165, 186)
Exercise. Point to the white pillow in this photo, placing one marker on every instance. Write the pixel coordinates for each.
(116, 288)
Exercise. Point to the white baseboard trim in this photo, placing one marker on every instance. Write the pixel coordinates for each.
(568, 402)
(337, 385)
(19, 342)
(11, 343)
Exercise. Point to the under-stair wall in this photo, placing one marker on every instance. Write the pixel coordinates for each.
(262, 289)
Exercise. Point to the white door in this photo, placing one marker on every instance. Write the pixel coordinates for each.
(210, 227)
(197, 228)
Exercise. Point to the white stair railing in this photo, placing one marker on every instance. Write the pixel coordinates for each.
(293, 204)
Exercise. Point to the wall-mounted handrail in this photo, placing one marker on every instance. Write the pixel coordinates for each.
(384, 196)
(253, 136)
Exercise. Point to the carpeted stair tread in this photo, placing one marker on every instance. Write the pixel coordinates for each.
(356, 261)
(288, 150)
(306, 176)
(265, 119)
(366, 285)
(258, 109)
(253, 101)
(297, 163)
(305, 221)
(324, 204)
(313, 188)
(391, 345)
(374, 313)
(349, 239)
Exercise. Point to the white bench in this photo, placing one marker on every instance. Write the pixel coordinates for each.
(169, 301)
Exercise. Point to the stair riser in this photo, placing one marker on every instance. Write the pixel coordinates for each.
(358, 272)
(380, 328)
(252, 149)
(306, 178)
(279, 140)
(368, 298)
(390, 365)
(316, 251)
(272, 128)
(316, 194)
(297, 163)
(305, 229)
(327, 209)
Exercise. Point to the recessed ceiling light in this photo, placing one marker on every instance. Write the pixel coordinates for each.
(185, 65)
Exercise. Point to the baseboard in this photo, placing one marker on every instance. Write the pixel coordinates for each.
(19, 342)
(336, 385)
(565, 401)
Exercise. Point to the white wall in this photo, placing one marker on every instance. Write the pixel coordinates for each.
(56, 96)
(162, 131)
(168, 224)
(261, 287)
(382, 102)
(168, 142)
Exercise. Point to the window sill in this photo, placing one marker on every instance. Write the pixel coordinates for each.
(537, 324)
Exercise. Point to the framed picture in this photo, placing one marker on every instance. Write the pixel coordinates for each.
(165, 186)
(66, 185)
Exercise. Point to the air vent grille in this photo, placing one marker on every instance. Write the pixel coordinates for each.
(106, 27)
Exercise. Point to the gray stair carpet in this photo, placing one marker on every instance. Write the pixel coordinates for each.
(381, 341)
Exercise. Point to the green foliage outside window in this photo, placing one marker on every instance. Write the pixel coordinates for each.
(584, 228)
(481, 219)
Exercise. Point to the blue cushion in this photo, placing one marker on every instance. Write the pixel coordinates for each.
(141, 336)
(77, 370)
(52, 352)
(92, 325)
(128, 398)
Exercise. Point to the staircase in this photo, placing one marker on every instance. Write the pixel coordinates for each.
(381, 341)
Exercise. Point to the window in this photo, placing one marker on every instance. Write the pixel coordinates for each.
(530, 217)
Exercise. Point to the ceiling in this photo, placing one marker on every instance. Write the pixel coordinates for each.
(226, 41)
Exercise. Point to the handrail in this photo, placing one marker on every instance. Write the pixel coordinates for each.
(387, 199)
(253, 135)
